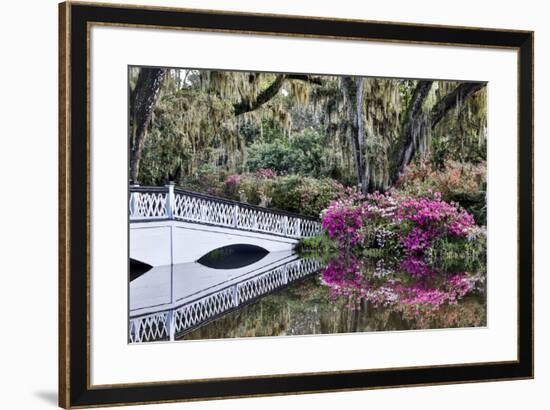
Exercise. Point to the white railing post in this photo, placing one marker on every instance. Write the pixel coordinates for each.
(285, 225)
(170, 200)
(299, 227)
(235, 295)
(235, 216)
(171, 325)
(134, 202)
(204, 211)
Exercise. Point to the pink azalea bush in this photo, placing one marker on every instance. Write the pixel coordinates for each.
(455, 178)
(344, 220)
(416, 266)
(462, 182)
(432, 216)
(414, 222)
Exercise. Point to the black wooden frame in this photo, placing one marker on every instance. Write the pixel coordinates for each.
(74, 364)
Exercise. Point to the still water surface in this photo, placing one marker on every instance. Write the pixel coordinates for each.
(357, 295)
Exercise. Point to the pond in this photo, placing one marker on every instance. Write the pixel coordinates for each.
(365, 294)
(244, 291)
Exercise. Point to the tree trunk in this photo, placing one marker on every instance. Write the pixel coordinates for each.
(142, 102)
(418, 122)
(413, 127)
(363, 154)
(353, 89)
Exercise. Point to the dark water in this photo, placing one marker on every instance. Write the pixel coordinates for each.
(360, 295)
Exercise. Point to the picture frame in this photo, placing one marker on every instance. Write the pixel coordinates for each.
(76, 216)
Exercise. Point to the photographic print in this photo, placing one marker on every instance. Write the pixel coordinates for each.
(282, 204)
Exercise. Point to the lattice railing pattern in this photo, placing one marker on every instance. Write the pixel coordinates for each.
(195, 313)
(297, 271)
(148, 205)
(151, 327)
(157, 326)
(262, 284)
(188, 206)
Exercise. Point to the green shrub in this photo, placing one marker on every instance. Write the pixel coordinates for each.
(293, 193)
(304, 153)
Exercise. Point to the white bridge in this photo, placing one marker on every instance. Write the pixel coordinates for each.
(168, 301)
(169, 225)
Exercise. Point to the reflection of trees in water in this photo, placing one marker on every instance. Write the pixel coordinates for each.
(305, 308)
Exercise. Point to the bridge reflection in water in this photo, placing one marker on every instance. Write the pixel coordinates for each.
(171, 300)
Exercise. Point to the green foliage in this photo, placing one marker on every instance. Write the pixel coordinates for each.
(303, 154)
(294, 193)
(182, 138)
(319, 247)
(305, 195)
(196, 139)
(459, 253)
(462, 134)
(277, 155)
(206, 179)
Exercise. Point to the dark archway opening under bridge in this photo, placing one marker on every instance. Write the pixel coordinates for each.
(233, 256)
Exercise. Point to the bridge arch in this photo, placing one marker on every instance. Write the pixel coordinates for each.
(171, 242)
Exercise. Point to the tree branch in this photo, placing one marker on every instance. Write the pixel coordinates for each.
(266, 95)
(460, 93)
(306, 78)
(271, 91)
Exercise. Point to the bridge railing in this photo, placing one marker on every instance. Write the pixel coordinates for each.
(171, 323)
(169, 202)
(148, 203)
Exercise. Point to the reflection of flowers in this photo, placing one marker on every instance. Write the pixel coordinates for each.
(453, 289)
(416, 266)
(402, 289)
(345, 278)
